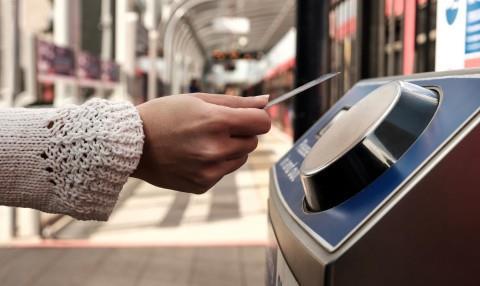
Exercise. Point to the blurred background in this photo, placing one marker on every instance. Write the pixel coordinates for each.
(56, 52)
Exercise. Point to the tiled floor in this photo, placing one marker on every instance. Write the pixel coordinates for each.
(243, 266)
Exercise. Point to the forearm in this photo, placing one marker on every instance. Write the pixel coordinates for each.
(72, 160)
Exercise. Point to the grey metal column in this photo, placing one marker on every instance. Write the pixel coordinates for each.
(169, 33)
(152, 20)
(131, 22)
(312, 45)
(123, 22)
(10, 72)
(66, 20)
(152, 71)
(10, 51)
(107, 30)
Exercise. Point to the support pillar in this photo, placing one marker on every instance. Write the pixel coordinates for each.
(10, 70)
(28, 223)
(125, 39)
(7, 223)
(9, 87)
(312, 48)
(107, 32)
(66, 26)
(152, 72)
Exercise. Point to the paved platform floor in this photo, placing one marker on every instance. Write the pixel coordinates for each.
(184, 266)
(161, 237)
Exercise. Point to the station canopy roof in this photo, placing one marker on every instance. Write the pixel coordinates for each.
(240, 25)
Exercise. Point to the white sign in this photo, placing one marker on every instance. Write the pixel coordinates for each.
(458, 34)
(451, 28)
(472, 34)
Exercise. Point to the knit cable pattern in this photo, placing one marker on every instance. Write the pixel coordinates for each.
(72, 160)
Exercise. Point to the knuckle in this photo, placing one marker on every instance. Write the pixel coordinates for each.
(249, 146)
(217, 120)
(200, 183)
(199, 94)
(265, 124)
(238, 163)
(237, 100)
(222, 115)
(216, 125)
(243, 161)
(212, 152)
(206, 155)
(254, 143)
(200, 190)
(206, 179)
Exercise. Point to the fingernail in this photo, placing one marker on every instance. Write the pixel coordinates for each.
(267, 96)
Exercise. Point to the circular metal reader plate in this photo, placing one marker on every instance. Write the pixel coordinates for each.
(351, 128)
(364, 141)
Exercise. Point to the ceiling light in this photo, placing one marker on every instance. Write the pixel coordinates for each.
(233, 25)
(243, 41)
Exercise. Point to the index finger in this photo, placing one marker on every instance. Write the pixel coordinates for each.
(234, 101)
(248, 121)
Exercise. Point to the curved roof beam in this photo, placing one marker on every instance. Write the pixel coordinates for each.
(277, 22)
(268, 18)
(179, 12)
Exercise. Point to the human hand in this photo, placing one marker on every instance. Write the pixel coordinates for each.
(192, 141)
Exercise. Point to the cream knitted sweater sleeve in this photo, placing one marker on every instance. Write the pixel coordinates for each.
(72, 160)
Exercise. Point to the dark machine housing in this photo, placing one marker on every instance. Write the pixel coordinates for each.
(383, 189)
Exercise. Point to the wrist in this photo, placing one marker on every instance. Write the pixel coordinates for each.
(139, 170)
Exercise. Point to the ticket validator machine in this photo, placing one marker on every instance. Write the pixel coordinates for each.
(384, 189)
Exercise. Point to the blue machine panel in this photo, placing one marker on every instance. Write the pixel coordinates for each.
(459, 101)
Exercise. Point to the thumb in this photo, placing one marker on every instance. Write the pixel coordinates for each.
(234, 101)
